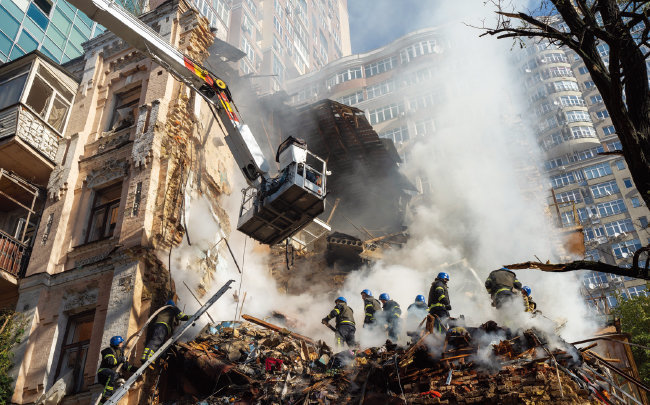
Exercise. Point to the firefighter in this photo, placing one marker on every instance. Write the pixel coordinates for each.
(344, 322)
(529, 304)
(500, 284)
(161, 328)
(391, 313)
(439, 303)
(112, 356)
(414, 315)
(370, 307)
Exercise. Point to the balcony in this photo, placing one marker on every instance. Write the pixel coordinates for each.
(20, 204)
(35, 100)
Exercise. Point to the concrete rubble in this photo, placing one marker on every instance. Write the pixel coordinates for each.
(245, 363)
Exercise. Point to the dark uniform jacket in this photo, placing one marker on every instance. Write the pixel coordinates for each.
(392, 311)
(370, 307)
(170, 317)
(439, 296)
(417, 306)
(343, 314)
(112, 357)
(501, 280)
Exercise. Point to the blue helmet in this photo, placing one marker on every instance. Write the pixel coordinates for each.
(443, 276)
(367, 292)
(505, 268)
(170, 302)
(341, 299)
(527, 290)
(116, 340)
(384, 296)
(420, 298)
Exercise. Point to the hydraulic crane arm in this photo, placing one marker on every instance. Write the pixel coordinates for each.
(272, 209)
(239, 138)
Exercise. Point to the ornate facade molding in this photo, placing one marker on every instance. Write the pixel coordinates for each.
(113, 170)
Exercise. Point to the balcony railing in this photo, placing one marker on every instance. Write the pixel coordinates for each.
(13, 255)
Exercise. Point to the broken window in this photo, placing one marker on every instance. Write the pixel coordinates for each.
(49, 99)
(104, 213)
(74, 350)
(125, 107)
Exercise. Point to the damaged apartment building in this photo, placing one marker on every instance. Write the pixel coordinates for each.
(94, 161)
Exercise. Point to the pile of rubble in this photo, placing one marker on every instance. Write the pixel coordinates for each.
(253, 362)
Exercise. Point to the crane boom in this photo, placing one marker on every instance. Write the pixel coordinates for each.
(273, 209)
(240, 140)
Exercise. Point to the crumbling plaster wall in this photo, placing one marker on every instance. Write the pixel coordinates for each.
(153, 158)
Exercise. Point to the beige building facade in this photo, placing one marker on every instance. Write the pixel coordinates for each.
(127, 143)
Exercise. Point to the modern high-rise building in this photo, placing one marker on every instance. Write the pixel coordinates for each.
(53, 27)
(588, 189)
(392, 84)
(283, 39)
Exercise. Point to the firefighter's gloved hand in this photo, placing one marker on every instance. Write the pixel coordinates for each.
(120, 381)
(324, 321)
(448, 307)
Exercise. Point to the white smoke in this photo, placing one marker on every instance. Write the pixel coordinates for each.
(482, 212)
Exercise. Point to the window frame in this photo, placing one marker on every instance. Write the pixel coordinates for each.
(107, 206)
(75, 319)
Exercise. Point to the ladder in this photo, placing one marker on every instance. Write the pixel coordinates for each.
(120, 392)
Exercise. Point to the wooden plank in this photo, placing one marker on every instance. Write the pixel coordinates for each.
(276, 328)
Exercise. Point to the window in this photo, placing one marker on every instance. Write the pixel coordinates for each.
(557, 71)
(49, 99)
(11, 87)
(581, 132)
(636, 202)
(104, 213)
(606, 209)
(74, 350)
(617, 227)
(248, 49)
(350, 74)
(628, 183)
(416, 50)
(571, 100)
(594, 279)
(609, 130)
(604, 189)
(620, 165)
(247, 24)
(569, 196)
(596, 99)
(384, 113)
(567, 218)
(599, 170)
(573, 116)
(420, 102)
(382, 66)
(352, 99)
(45, 5)
(562, 180)
(643, 221)
(398, 135)
(125, 108)
(592, 255)
(602, 114)
(565, 85)
(380, 89)
(589, 84)
(593, 233)
(425, 127)
(626, 248)
(637, 291)
(583, 70)
(614, 145)
(278, 68)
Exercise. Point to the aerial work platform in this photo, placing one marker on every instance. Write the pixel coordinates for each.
(288, 202)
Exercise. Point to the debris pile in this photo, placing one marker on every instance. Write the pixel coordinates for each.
(245, 363)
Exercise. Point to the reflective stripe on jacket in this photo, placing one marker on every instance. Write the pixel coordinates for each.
(343, 314)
